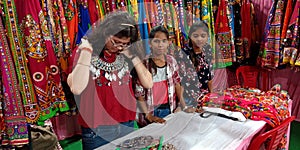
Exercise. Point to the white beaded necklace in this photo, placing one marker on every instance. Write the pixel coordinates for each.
(119, 65)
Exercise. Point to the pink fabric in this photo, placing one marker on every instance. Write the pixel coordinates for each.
(290, 82)
(160, 92)
(262, 8)
(220, 80)
(66, 126)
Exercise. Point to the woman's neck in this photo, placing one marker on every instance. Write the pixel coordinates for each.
(159, 60)
(197, 50)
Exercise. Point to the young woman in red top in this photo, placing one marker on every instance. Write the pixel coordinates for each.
(106, 68)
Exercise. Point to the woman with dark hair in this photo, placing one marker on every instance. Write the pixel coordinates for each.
(165, 96)
(195, 61)
(103, 76)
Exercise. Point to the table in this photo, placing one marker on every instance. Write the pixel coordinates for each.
(191, 132)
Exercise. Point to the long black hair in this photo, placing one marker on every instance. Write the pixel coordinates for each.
(156, 29)
(153, 31)
(119, 24)
(195, 26)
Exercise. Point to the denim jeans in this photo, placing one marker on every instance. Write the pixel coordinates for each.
(96, 137)
(162, 112)
(190, 102)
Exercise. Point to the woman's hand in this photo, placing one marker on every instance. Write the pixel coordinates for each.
(189, 109)
(127, 53)
(199, 110)
(155, 119)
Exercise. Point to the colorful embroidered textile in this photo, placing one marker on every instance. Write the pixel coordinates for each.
(30, 102)
(196, 11)
(208, 17)
(172, 78)
(246, 27)
(272, 42)
(13, 124)
(287, 15)
(270, 106)
(71, 15)
(224, 55)
(94, 16)
(41, 59)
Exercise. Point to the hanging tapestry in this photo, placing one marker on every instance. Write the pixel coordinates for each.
(225, 47)
(208, 16)
(42, 61)
(30, 102)
(272, 43)
(13, 121)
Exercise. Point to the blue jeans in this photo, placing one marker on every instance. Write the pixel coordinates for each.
(162, 112)
(96, 137)
(190, 101)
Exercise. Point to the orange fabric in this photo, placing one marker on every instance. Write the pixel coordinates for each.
(72, 23)
(288, 13)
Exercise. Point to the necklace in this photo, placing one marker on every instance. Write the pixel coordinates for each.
(118, 65)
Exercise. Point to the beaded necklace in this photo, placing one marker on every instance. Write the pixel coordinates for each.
(119, 65)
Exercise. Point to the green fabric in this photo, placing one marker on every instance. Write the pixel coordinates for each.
(136, 127)
(294, 136)
(73, 143)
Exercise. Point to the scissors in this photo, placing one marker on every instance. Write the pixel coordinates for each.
(206, 114)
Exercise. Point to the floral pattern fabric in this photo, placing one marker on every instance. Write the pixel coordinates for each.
(195, 76)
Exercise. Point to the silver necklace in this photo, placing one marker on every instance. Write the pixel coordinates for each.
(119, 65)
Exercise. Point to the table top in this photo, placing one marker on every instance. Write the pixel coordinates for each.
(192, 132)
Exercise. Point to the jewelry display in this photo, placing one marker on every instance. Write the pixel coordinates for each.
(139, 142)
(144, 142)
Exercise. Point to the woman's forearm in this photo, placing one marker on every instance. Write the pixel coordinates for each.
(79, 77)
(145, 77)
(179, 93)
(142, 104)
